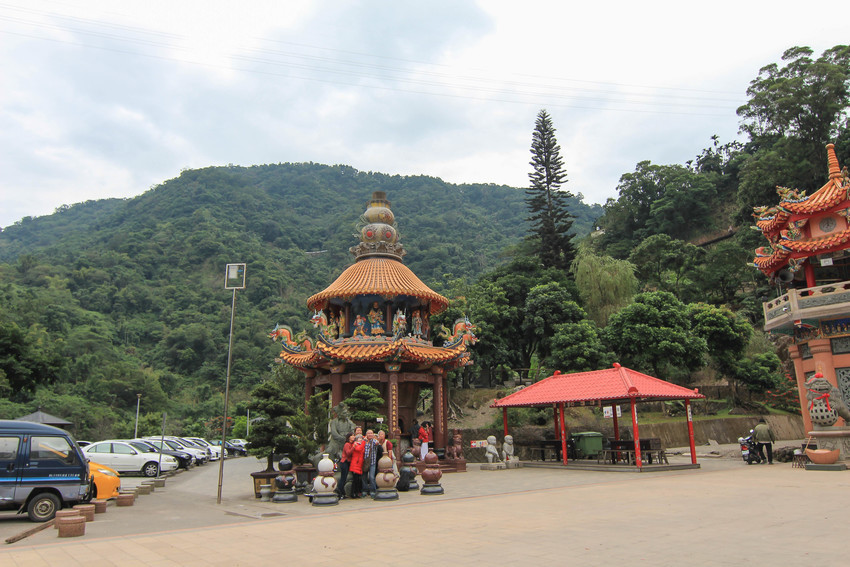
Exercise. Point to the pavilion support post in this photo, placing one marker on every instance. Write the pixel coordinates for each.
(691, 431)
(637, 435)
(563, 433)
(557, 423)
(439, 406)
(336, 389)
(395, 432)
(809, 270)
(505, 419)
(616, 422)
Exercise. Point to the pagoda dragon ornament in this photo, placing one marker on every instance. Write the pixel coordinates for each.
(295, 342)
(463, 331)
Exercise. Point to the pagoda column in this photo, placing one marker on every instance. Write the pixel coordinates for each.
(809, 270)
(800, 373)
(336, 389)
(395, 432)
(440, 405)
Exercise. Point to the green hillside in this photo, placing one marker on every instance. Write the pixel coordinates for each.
(107, 299)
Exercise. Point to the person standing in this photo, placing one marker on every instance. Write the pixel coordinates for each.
(356, 467)
(387, 448)
(425, 437)
(763, 436)
(345, 464)
(370, 461)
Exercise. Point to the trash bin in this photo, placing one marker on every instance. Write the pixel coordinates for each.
(588, 444)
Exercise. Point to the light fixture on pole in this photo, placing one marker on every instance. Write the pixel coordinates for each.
(136, 430)
(234, 278)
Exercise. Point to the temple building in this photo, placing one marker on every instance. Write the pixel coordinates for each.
(375, 328)
(807, 255)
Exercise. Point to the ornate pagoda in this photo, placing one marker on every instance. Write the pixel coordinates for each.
(374, 328)
(809, 237)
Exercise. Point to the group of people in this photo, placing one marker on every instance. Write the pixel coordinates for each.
(359, 458)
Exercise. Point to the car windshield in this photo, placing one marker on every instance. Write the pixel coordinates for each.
(143, 447)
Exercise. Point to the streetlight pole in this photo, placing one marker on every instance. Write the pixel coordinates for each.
(234, 278)
(138, 402)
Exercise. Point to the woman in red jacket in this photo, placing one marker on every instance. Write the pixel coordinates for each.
(425, 437)
(345, 464)
(356, 467)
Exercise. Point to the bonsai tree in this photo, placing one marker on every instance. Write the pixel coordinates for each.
(364, 404)
(276, 400)
(311, 428)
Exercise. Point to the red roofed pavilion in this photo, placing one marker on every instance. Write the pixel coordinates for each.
(608, 387)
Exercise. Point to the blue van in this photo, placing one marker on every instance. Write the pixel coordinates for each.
(41, 469)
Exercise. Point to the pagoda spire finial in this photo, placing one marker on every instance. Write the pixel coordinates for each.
(377, 230)
(832, 159)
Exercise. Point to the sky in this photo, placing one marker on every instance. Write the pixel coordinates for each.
(105, 98)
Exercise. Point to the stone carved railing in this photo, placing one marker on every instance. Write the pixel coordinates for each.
(807, 303)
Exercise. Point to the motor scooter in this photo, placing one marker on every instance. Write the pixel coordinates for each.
(749, 451)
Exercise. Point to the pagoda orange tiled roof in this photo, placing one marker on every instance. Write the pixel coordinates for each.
(617, 384)
(378, 276)
(794, 211)
(366, 350)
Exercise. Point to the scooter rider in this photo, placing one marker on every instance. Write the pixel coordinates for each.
(763, 436)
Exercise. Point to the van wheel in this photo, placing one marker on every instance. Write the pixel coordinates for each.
(150, 469)
(43, 507)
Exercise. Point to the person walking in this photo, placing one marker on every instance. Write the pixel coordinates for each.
(763, 436)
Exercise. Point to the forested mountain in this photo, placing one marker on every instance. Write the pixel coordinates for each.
(106, 299)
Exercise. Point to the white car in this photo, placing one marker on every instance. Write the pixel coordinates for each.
(201, 456)
(215, 452)
(123, 457)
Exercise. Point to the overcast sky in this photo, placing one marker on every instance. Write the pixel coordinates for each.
(108, 98)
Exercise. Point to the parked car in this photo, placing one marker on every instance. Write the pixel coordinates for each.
(41, 469)
(239, 443)
(230, 450)
(123, 457)
(175, 444)
(215, 452)
(184, 459)
(105, 482)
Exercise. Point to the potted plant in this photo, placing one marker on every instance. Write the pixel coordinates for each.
(276, 400)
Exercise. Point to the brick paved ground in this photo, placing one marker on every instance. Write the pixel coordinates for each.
(726, 513)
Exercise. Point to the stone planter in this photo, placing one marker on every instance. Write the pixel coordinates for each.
(66, 513)
(125, 499)
(260, 478)
(71, 526)
(86, 511)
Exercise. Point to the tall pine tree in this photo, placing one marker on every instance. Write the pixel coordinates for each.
(550, 216)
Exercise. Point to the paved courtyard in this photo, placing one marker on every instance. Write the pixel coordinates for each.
(725, 513)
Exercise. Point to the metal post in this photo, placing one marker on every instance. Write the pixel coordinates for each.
(248, 424)
(136, 430)
(691, 443)
(226, 393)
(234, 278)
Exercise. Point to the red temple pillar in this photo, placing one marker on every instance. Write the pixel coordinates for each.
(395, 432)
(563, 434)
(616, 422)
(637, 435)
(440, 418)
(809, 270)
(691, 432)
(336, 390)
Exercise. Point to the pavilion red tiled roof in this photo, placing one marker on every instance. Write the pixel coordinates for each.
(617, 384)
(378, 276)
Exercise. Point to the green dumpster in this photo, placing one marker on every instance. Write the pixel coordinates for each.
(588, 444)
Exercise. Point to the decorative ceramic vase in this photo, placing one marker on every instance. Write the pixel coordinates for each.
(285, 463)
(386, 480)
(265, 493)
(408, 472)
(324, 485)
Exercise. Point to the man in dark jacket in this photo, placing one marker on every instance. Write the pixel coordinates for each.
(763, 436)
